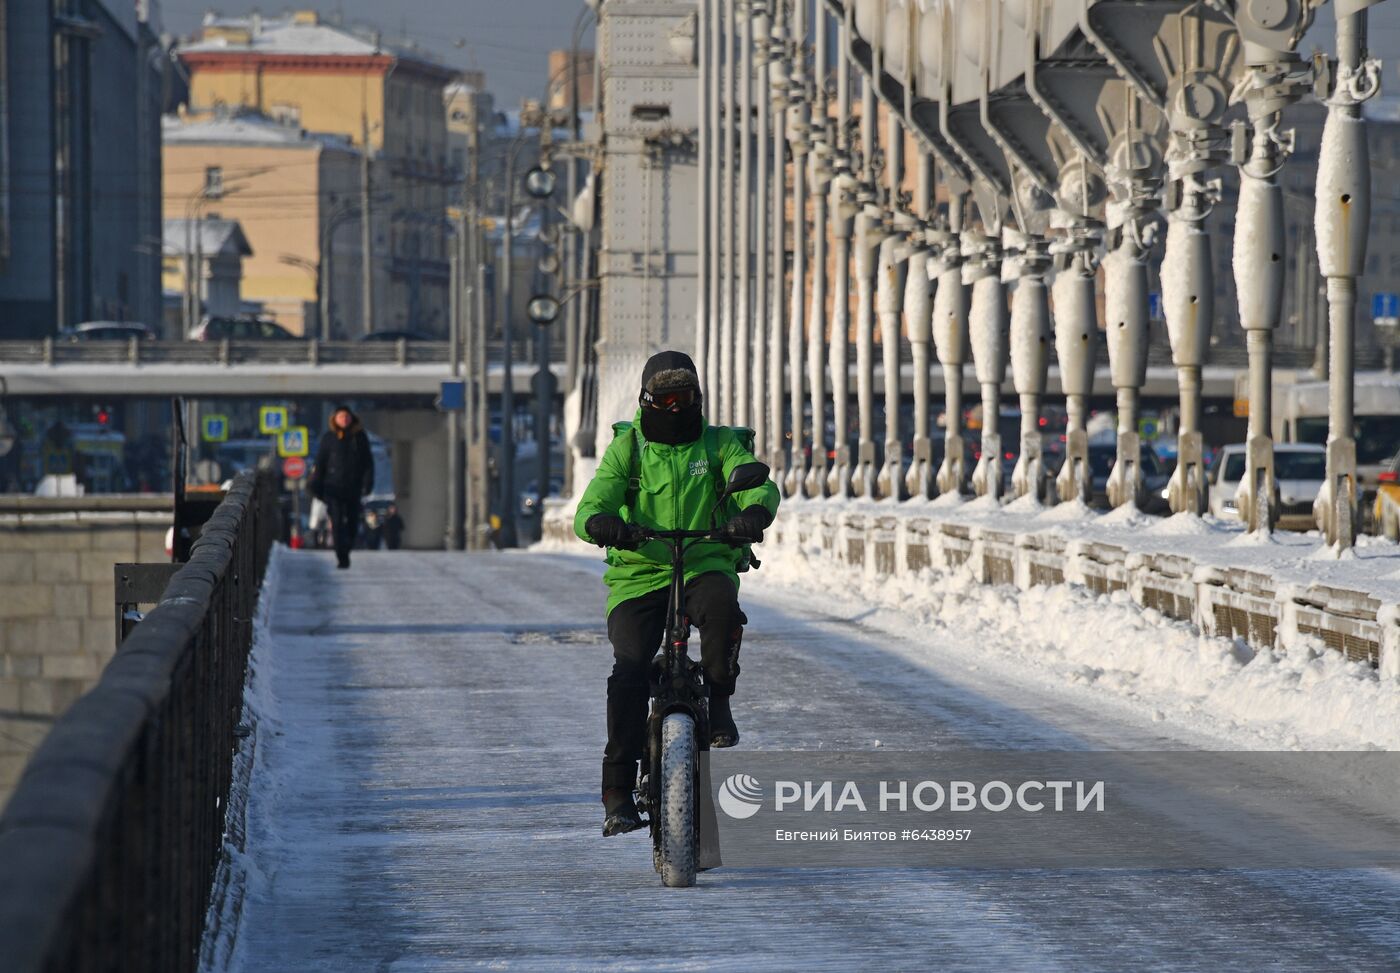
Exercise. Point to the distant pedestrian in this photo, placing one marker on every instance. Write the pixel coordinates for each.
(344, 473)
(373, 532)
(393, 528)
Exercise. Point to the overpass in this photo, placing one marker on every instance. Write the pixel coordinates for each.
(239, 369)
(260, 369)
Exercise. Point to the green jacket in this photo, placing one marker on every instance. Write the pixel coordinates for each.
(676, 492)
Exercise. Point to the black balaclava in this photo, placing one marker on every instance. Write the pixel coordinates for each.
(667, 371)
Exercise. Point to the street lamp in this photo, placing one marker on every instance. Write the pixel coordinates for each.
(543, 309)
(312, 268)
(508, 535)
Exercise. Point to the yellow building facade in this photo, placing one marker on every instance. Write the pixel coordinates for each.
(286, 188)
(326, 78)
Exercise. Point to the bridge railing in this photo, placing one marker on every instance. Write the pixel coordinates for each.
(109, 844)
(312, 352)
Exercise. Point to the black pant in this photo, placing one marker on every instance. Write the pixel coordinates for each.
(635, 629)
(345, 522)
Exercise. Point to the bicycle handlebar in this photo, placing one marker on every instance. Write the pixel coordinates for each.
(649, 534)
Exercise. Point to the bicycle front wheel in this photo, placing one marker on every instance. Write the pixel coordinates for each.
(679, 821)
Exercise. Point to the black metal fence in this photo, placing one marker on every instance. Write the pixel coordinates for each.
(109, 843)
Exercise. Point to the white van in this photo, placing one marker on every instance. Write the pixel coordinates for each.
(1301, 417)
(1300, 469)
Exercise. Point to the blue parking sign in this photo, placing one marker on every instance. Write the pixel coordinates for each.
(214, 428)
(1384, 306)
(1154, 306)
(272, 419)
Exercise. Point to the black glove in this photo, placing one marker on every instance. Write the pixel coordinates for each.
(609, 530)
(747, 526)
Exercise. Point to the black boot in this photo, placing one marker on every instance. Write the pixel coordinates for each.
(723, 732)
(620, 814)
(342, 559)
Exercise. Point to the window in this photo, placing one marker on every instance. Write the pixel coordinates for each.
(214, 181)
(285, 113)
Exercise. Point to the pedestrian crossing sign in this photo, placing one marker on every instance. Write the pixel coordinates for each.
(272, 419)
(294, 441)
(214, 429)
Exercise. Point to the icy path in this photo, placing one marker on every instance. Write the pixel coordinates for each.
(425, 798)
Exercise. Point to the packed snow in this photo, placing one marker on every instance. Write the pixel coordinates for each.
(1107, 645)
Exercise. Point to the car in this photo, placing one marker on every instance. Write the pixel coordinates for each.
(109, 331)
(241, 329)
(531, 503)
(1300, 469)
(1155, 476)
(403, 334)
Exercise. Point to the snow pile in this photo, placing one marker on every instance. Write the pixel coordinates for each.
(1309, 699)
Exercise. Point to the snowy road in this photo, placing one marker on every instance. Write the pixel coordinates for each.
(425, 798)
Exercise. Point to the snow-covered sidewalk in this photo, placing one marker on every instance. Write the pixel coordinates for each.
(1111, 647)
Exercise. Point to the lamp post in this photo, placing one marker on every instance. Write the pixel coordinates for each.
(312, 268)
(508, 536)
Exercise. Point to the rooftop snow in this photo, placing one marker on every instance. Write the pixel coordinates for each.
(213, 236)
(284, 35)
(245, 129)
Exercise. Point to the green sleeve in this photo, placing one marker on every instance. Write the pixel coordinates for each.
(734, 454)
(607, 491)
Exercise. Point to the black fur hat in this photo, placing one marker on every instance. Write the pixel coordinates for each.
(669, 370)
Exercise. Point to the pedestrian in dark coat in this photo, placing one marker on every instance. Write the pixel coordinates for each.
(393, 528)
(343, 474)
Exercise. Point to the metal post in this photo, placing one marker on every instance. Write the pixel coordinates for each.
(743, 292)
(710, 365)
(1027, 261)
(777, 360)
(366, 231)
(869, 235)
(452, 539)
(843, 211)
(705, 160)
(1078, 195)
(481, 435)
(1343, 219)
(1259, 281)
(762, 28)
(889, 302)
(987, 329)
(728, 187)
(820, 174)
(918, 482)
(1188, 301)
(799, 120)
(508, 499)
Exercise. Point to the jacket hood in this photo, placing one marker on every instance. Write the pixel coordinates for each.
(350, 430)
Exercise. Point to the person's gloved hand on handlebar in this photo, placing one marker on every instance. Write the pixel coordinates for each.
(610, 530)
(747, 526)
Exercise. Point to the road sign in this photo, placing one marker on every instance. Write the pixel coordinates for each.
(453, 397)
(1385, 305)
(293, 442)
(1154, 306)
(294, 467)
(272, 419)
(214, 429)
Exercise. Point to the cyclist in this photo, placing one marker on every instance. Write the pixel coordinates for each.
(664, 471)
